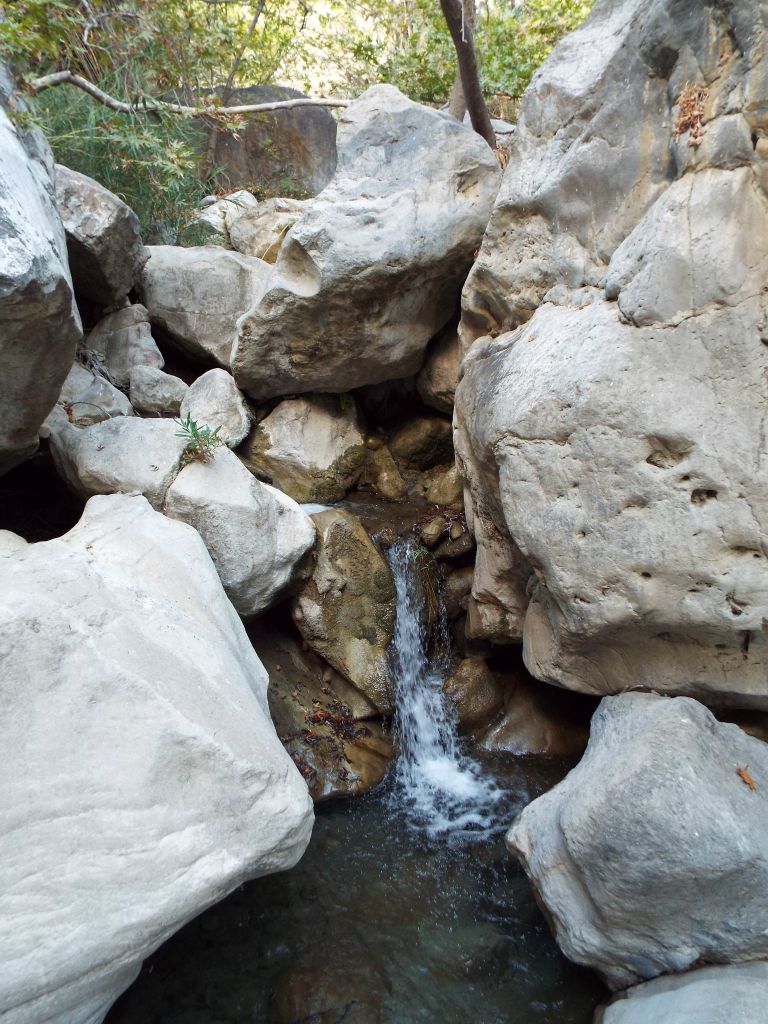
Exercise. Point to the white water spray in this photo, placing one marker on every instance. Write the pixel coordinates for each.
(440, 786)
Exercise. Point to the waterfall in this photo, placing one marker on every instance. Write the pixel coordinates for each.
(438, 785)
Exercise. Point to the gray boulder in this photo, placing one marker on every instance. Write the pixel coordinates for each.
(156, 393)
(439, 377)
(122, 340)
(106, 253)
(612, 444)
(260, 230)
(651, 856)
(373, 268)
(214, 400)
(710, 995)
(39, 323)
(257, 537)
(142, 779)
(311, 448)
(197, 295)
(88, 398)
(125, 455)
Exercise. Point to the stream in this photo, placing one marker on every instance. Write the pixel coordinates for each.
(406, 906)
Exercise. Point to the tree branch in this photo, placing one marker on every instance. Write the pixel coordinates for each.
(148, 103)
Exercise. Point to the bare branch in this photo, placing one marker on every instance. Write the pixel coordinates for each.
(148, 103)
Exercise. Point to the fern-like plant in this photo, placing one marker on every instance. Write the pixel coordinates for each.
(201, 440)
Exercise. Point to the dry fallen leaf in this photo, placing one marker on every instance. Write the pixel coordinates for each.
(746, 778)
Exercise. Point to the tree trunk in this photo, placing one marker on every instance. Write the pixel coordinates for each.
(470, 78)
(457, 105)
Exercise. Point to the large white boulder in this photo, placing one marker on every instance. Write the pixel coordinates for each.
(39, 323)
(311, 448)
(215, 401)
(651, 856)
(197, 295)
(257, 537)
(710, 995)
(372, 269)
(106, 253)
(613, 444)
(142, 779)
(125, 455)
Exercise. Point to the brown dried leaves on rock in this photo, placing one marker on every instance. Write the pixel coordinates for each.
(690, 114)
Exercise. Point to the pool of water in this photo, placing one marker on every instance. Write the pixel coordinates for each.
(378, 924)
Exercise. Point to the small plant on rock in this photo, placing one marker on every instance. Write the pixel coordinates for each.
(201, 440)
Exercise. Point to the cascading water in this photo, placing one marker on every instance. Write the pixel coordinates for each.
(441, 788)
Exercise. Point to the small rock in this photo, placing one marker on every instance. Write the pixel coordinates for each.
(214, 400)
(474, 692)
(422, 443)
(381, 474)
(88, 398)
(432, 531)
(156, 393)
(444, 486)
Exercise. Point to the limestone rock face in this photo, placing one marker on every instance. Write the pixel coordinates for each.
(197, 294)
(256, 536)
(346, 610)
(311, 448)
(214, 400)
(39, 322)
(156, 393)
(372, 269)
(122, 340)
(651, 855)
(141, 774)
(125, 455)
(617, 495)
(710, 995)
(106, 253)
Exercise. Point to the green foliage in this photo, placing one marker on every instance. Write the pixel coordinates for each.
(190, 48)
(201, 441)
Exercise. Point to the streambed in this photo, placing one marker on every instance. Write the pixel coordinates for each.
(377, 924)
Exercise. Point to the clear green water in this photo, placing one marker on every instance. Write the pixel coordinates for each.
(376, 925)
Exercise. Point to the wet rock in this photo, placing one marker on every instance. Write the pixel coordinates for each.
(346, 611)
(260, 230)
(317, 717)
(88, 398)
(257, 537)
(309, 991)
(651, 855)
(709, 995)
(439, 377)
(39, 323)
(457, 544)
(197, 294)
(311, 448)
(156, 393)
(456, 589)
(122, 340)
(106, 253)
(621, 529)
(373, 268)
(422, 443)
(138, 749)
(474, 692)
(124, 455)
(382, 476)
(214, 400)
(538, 719)
(433, 530)
(444, 486)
